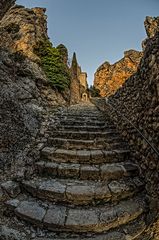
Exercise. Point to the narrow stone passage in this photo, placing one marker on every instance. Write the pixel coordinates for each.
(86, 185)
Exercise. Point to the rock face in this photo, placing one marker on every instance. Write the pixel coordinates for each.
(5, 5)
(21, 29)
(108, 78)
(25, 97)
(138, 101)
(151, 26)
(25, 93)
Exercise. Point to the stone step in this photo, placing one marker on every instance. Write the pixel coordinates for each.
(84, 128)
(84, 156)
(130, 231)
(80, 114)
(84, 123)
(63, 218)
(82, 135)
(102, 172)
(81, 192)
(108, 144)
(81, 118)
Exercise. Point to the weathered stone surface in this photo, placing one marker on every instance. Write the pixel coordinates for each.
(31, 211)
(109, 78)
(55, 217)
(137, 101)
(69, 170)
(5, 5)
(7, 233)
(80, 193)
(89, 172)
(52, 190)
(111, 171)
(12, 188)
(108, 218)
(12, 204)
(102, 192)
(18, 29)
(122, 188)
(151, 26)
(82, 220)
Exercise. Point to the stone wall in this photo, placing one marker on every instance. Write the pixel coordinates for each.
(108, 78)
(138, 101)
(79, 84)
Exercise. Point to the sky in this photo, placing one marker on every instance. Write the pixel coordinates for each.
(97, 30)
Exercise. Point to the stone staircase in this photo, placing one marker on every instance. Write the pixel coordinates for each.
(86, 185)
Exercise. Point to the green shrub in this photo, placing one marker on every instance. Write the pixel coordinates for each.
(53, 66)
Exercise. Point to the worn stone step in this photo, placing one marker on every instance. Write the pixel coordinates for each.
(84, 135)
(85, 128)
(130, 231)
(81, 118)
(84, 156)
(108, 144)
(112, 171)
(80, 114)
(76, 219)
(81, 192)
(84, 123)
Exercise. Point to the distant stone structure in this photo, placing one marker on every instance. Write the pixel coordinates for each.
(79, 85)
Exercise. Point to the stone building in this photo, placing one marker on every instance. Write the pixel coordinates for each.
(79, 85)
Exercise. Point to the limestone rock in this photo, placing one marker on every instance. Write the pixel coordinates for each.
(108, 78)
(21, 29)
(12, 188)
(151, 26)
(5, 5)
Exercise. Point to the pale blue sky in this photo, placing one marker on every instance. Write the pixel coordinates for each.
(97, 30)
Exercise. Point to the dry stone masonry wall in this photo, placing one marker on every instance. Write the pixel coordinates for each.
(138, 101)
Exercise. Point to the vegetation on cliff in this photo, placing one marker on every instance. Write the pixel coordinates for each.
(54, 67)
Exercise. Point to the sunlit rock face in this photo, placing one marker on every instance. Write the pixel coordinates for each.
(151, 26)
(21, 29)
(5, 5)
(108, 78)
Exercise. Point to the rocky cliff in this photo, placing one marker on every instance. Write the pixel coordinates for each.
(108, 78)
(22, 29)
(26, 96)
(151, 26)
(5, 5)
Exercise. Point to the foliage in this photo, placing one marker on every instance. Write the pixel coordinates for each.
(94, 91)
(63, 52)
(53, 66)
